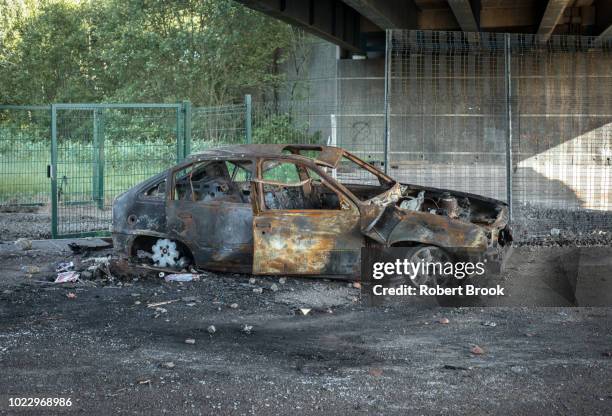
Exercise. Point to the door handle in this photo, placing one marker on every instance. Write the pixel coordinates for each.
(263, 225)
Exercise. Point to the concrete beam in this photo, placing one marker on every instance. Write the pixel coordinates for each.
(603, 16)
(552, 14)
(467, 13)
(333, 21)
(605, 35)
(388, 14)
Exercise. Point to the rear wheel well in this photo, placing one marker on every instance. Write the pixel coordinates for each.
(146, 242)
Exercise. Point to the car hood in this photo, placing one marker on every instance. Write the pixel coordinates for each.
(434, 216)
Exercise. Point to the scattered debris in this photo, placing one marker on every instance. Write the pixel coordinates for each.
(211, 329)
(71, 295)
(252, 281)
(167, 365)
(247, 328)
(274, 287)
(190, 341)
(67, 277)
(141, 254)
(64, 266)
(555, 232)
(189, 299)
(489, 323)
(181, 277)
(166, 302)
(31, 269)
(305, 311)
(98, 260)
(476, 350)
(161, 310)
(456, 367)
(234, 306)
(144, 381)
(24, 244)
(137, 302)
(85, 246)
(282, 280)
(258, 290)
(357, 285)
(444, 321)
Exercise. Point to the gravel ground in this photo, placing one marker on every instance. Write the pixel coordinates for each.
(109, 352)
(14, 225)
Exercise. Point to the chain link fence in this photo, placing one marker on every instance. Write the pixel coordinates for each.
(562, 133)
(513, 117)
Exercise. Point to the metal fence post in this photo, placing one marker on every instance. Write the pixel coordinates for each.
(386, 103)
(248, 132)
(53, 171)
(179, 134)
(98, 157)
(508, 87)
(186, 128)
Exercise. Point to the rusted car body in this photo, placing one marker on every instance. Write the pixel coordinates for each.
(296, 210)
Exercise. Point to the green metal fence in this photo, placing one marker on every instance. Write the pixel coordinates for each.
(99, 151)
(25, 140)
(76, 158)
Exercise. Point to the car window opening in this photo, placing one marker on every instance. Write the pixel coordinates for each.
(227, 181)
(288, 186)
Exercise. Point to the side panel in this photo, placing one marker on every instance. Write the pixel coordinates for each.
(220, 231)
(307, 242)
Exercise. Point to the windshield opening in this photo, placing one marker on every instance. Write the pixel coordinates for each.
(364, 182)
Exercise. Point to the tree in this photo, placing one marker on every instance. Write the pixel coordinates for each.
(208, 51)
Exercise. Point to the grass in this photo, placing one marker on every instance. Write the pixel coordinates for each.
(23, 169)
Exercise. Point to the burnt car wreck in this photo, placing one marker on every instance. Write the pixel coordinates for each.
(295, 210)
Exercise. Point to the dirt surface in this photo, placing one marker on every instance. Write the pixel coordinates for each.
(14, 225)
(105, 349)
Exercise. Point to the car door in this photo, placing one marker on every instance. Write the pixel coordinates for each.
(296, 232)
(208, 211)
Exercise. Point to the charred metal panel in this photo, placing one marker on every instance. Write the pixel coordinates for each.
(310, 242)
(221, 232)
(134, 210)
(437, 230)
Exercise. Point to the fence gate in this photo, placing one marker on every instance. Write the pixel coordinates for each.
(101, 150)
(24, 155)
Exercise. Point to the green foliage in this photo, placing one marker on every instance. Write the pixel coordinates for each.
(282, 128)
(208, 51)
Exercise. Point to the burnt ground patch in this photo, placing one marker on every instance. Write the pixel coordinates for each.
(106, 349)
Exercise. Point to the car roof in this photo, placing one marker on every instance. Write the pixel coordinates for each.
(328, 155)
